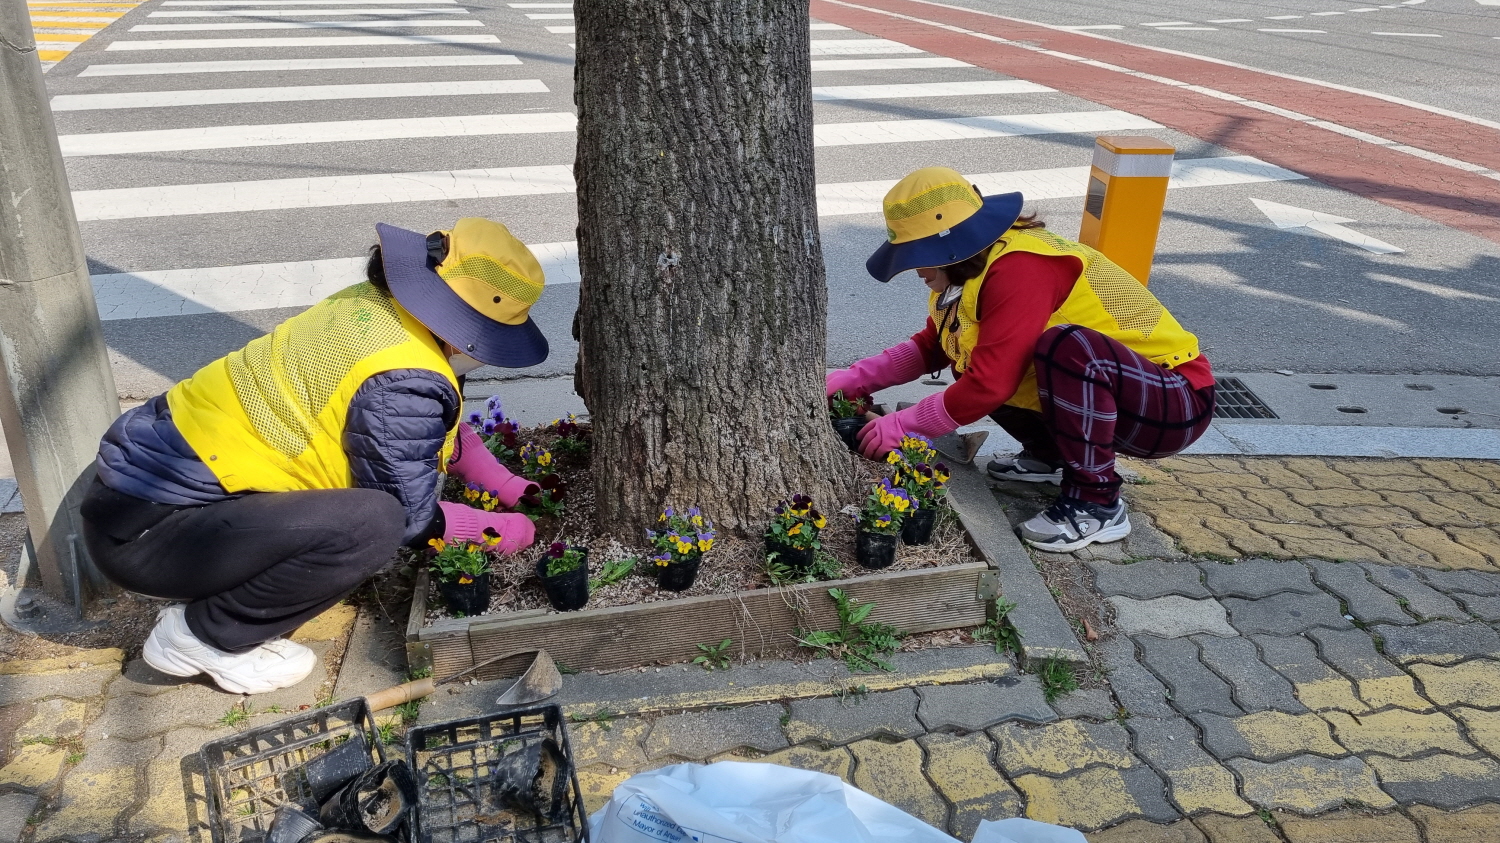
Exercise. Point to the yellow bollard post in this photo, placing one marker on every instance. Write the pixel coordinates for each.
(1126, 196)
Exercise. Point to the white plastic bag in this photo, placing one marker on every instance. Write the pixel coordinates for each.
(1021, 830)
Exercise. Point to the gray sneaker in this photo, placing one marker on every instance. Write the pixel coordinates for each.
(1070, 524)
(1025, 468)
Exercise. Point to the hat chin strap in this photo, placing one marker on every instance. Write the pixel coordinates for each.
(463, 364)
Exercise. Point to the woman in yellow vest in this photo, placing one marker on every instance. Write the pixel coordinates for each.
(1066, 351)
(276, 479)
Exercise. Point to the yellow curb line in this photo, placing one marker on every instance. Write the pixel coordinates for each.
(58, 664)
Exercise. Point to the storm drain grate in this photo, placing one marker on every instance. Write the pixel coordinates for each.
(1234, 400)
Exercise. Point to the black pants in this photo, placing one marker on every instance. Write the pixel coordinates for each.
(251, 568)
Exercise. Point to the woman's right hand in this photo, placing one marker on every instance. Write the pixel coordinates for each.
(846, 381)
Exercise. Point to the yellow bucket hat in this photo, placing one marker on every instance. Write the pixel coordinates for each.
(935, 217)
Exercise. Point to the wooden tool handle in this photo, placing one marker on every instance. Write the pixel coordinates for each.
(399, 694)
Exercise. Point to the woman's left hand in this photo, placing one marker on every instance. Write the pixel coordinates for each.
(474, 463)
(927, 418)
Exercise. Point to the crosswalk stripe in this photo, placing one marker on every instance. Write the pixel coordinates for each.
(306, 2)
(304, 13)
(886, 64)
(456, 185)
(540, 5)
(338, 41)
(963, 128)
(401, 23)
(551, 16)
(221, 96)
(333, 131)
(860, 47)
(827, 27)
(266, 65)
(52, 55)
(263, 286)
(561, 30)
(59, 36)
(927, 89)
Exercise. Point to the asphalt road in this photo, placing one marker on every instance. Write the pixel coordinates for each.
(218, 197)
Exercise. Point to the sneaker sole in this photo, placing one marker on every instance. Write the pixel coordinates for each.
(1105, 536)
(173, 665)
(1027, 478)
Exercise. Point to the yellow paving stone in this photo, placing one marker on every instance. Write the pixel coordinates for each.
(1445, 550)
(1385, 545)
(1243, 536)
(1319, 474)
(1488, 469)
(965, 776)
(1471, 825)
(1276, 474)
(1335, 497)
(834, 762)
(329, 626)
(1272, 734)
(1383, 515)
(1234, 504)
(1062, 747)
(34, 767)
(1318, 541)
(1482, 540)
(1454, 476)
(598, 783)
(1280, 504)
(1206, 788)
(1093, 798)
(55, 718)
(1351, 827)
(1441, 774)
(1165, 493)
(893, 772)
(1382, 691)
(90, 804)
(58, 664)
(619, 745)
(1374, 468)
(1190, 533)
(1429, 511)
(1398, 733)
(1222, 829)
(1189, 465)
(1401, 483)
(1484, 728)
(1469, 505)
(1308, 784)
(1144, 831)
(1326, 694)
(1474, 683)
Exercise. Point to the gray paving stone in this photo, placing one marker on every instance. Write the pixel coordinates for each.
(1256, 578)
(1285, 613)
(1148, 580)
(697, 735)
(983, 704)
(1471, 582)
(1484, 608)
(1112, 552)
(1439, 642)
(1170, 617)
(1366, 601)
(1439, 780)
(1140, 693)
(1193, 686)
(1421, 599)
(138, 678)
(15, 809)
(1091, 702)
(134, 716)
(1254, 685)
(1353, 653)
(1150, 793)
(1147, 541)
(74, 684)
(1198, 779)
(841, 720)
(1308, 784)
(1221, 738)
(1296, 658)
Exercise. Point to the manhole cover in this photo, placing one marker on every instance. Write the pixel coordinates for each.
(1234, 400)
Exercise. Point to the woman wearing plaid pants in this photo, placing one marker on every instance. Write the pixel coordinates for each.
(1069, 353)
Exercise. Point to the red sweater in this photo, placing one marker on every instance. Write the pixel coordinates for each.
(1021, 292)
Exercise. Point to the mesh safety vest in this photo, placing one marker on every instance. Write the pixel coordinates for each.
(1105, 298)
(270, 417)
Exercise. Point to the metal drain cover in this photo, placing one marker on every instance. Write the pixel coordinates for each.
(1234, 400)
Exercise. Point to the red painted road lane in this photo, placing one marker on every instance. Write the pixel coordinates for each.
(1437, 192)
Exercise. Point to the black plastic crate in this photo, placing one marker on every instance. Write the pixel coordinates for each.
(459, 802)
(253, 773)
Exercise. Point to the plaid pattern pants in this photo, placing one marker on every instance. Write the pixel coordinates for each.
(1099, 398)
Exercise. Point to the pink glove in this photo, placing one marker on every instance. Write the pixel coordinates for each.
(465, 524)
(928, 418)
(474, 463)
(899, 364)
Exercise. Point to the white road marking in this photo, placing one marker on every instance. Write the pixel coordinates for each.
(1097, 26)
(1288, 217)
(333, 131)
(886, 64)
(1307, 31)
(963, 128)
(1170, 23)
(561, 30)
(1188, 29)
(1409, 34)
(540, 5)
(304, 2)
(340, 41)
(221, 96)
(927, 89)
(827, 27)
(1325, 14)
(551, 16)
(859, 47)
(1284, 17)
(403, 23)
(276, 65)
(1366, 9)
(1232, 20)
(303, 13)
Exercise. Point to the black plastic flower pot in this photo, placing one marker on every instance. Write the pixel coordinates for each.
(848, 430)
(471, 598)
(874, 550)
(569, 591)
(679, 575)
(797, 558)
(918, 526)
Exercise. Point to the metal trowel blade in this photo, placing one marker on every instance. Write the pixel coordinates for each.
(541, 681)
(962, 448)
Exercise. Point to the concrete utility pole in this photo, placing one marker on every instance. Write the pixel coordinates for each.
(57, 394)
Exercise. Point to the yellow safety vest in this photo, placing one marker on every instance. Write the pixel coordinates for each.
(270, 417)
(1112, 302)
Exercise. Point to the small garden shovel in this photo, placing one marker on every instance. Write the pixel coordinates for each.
(540, 681)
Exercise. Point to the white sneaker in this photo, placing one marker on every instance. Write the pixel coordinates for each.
(174, 650)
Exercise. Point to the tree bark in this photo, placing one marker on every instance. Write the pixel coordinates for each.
(702, 309)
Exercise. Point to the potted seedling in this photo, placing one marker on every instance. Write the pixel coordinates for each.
(926, 484)
(564, 570)
(463, 573)
(680, 541)
(848, 417)
(879, 522)
(792, 535)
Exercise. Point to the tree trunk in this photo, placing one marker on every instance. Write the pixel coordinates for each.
(703, 304)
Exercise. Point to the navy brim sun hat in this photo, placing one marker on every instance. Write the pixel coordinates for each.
(478, 297)
(934, 217)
